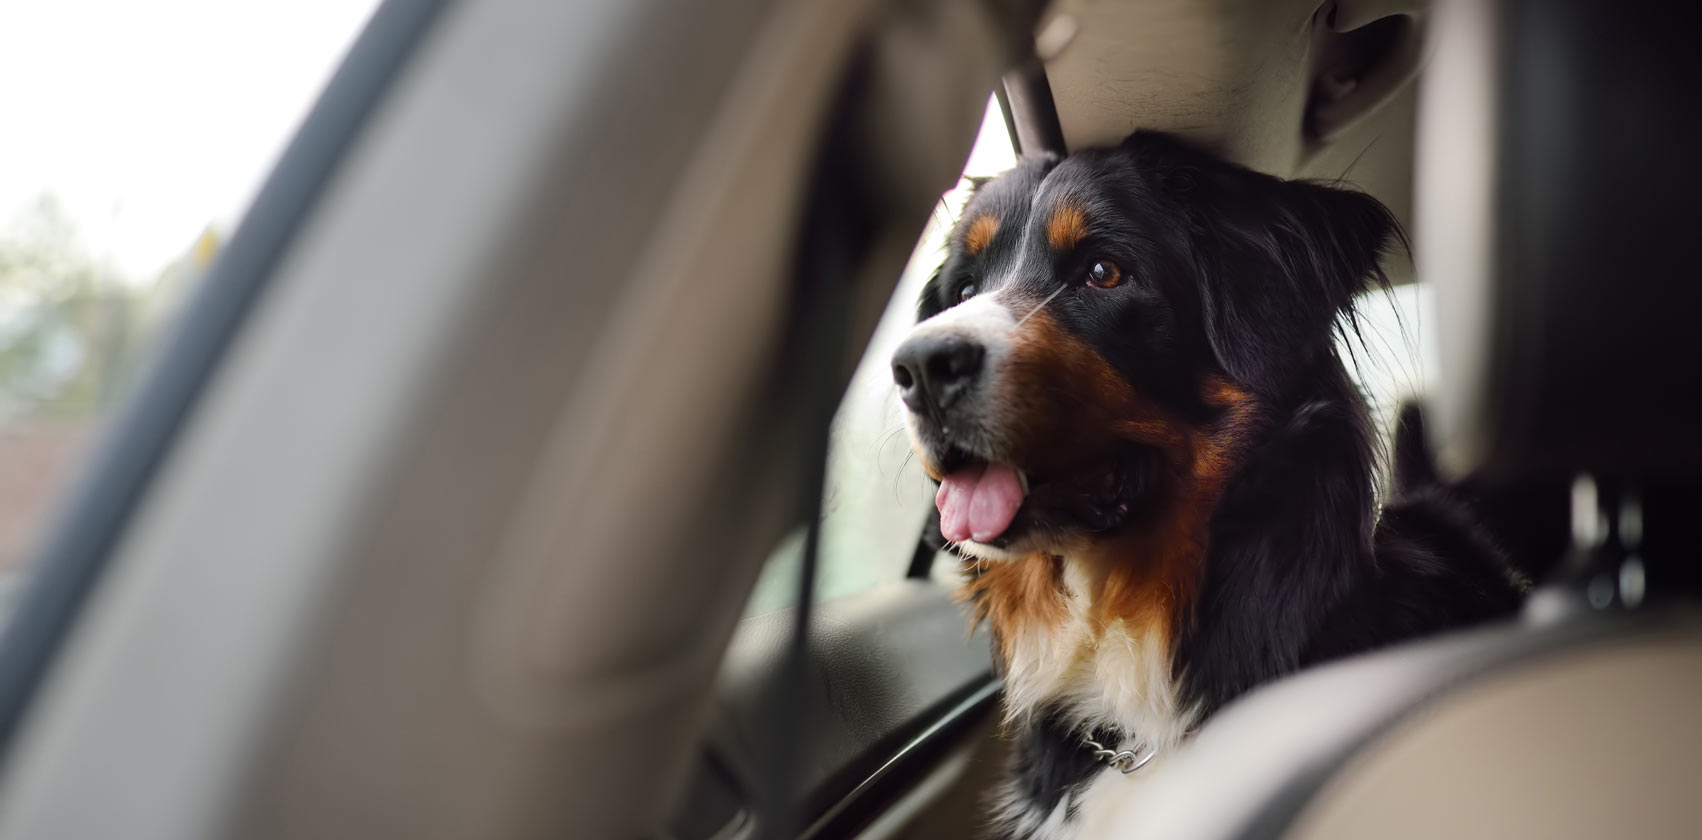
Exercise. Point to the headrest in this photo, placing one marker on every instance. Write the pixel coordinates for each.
(1559, 200)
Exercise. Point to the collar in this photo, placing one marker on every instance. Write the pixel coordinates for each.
(1125, 761)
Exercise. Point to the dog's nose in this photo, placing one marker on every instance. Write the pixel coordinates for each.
(936, 369)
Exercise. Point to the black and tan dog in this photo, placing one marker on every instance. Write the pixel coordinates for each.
(1154, 461)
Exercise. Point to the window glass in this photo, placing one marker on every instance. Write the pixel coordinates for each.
(1390, 357)
(876, 496)
(135, 135)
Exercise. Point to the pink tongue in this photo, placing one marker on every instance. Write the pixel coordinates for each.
(978, 502)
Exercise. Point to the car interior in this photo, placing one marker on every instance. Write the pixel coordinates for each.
(441, 509)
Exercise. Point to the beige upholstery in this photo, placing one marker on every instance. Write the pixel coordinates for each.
(453, 545)
(1235, 75)
(1599, 742)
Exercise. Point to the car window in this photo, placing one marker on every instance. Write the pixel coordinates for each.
(1390, 354)
(876, 495)
(136, 134)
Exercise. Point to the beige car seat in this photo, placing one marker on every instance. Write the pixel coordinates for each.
(1557, 195)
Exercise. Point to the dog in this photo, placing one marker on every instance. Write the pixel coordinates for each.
(1153, 461)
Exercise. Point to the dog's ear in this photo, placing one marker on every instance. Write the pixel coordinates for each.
(931, 302)
(1278, 260)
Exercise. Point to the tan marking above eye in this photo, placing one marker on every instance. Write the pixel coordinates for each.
(1067, 227)
(981, 233)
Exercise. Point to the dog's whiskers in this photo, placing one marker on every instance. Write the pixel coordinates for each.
(898, 477)
(1059, 291)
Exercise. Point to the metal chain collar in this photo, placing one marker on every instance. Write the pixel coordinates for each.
(1125, 761)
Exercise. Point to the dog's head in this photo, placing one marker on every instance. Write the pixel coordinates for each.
(1095, 313)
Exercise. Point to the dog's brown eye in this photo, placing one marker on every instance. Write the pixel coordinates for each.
(1104, 274)
(965, 293)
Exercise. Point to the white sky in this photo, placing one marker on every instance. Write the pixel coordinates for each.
(994, 151)
(150, 119)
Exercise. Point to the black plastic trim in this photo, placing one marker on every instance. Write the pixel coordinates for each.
(919, 753)
(838, 228)
(922, 559)
(1004, 100)
(112, 484)
(1033, 113)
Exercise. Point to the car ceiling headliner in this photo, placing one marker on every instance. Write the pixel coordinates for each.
(1233, 75)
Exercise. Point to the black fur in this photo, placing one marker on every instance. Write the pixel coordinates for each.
(1241, 275)
(1047, 761)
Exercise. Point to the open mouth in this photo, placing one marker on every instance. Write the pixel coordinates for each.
(979, 501)
(996, 503)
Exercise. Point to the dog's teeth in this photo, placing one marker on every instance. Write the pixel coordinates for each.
(1022, 481)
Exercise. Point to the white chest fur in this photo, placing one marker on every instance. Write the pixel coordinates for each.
(1101, 673)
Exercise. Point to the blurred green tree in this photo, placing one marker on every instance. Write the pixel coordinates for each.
(67, 320)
